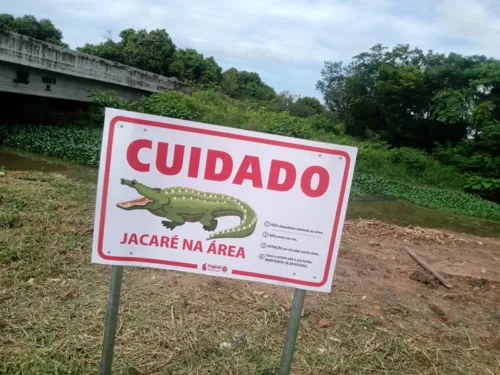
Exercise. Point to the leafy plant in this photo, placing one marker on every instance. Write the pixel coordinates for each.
(78, 144)
(486, 186)
(171, 104)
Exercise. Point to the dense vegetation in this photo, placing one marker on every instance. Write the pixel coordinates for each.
(28, 25)
(445, 105)
(401, 172)
(422, 121)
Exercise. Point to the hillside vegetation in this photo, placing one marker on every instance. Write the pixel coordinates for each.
(427, 124)
(401, 172)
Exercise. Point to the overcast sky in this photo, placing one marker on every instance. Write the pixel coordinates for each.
(285, 41)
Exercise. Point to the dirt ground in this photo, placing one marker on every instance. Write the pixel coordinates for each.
(380, 268)
(385, 314)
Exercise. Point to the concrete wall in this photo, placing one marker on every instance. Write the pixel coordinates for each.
(71, 74)
(26, 80)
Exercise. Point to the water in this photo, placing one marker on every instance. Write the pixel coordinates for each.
(406, 213)
(25, 161)
(375, 207)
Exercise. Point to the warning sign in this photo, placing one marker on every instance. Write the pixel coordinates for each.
(215, 200)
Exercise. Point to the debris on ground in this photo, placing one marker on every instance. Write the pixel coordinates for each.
(324, 323)
(382, 229)
(427, 267)
(424, 277)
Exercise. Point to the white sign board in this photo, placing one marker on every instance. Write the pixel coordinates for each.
(220, 201)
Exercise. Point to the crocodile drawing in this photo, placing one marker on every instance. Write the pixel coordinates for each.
(180, 205)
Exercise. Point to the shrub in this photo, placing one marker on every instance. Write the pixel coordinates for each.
(284, 124)
(486, 186)
(78, 144)
(101, 100)
(406, 164)
(171, 104)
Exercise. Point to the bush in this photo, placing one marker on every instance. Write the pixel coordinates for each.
(408, 165)
(284, 124)
(171, 104)
(78, 144)
(101, 100)
(487, 187)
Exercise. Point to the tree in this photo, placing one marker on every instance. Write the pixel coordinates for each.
(246, 85)
(306, 107)
(446, 104)
(7, 22)
(212, 73)
(282, 102)
(108, 50)
(189, 65)
(28, 25)
(229, 83)
(154, 51)
(391, 92)
(151, 51)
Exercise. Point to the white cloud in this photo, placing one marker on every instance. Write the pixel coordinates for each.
(284, 40)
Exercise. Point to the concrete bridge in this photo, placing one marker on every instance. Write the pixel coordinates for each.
(32, 67)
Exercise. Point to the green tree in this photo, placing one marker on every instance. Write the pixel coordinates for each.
(151, 51)
(446, 104)
(108, 50)
(246, 85)
(282, 101)
(28, 25)
(391, 92)
(306, 107)
(189, 65)
(212, 73)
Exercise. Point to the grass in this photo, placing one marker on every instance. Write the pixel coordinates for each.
(53, 300)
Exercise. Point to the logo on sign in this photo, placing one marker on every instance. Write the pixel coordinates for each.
(213, 268)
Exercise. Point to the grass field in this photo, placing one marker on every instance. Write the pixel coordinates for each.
(52, 303)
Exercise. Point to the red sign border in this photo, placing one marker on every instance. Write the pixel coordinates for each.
(247, 138)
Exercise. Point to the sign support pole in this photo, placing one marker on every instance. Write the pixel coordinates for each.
(292, 330)
(108, 344)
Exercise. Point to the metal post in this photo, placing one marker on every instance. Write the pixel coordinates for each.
(108, 344)
(292, 330)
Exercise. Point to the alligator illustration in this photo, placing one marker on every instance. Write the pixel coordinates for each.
(180, 205)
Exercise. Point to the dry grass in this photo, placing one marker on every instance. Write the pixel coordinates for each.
(398, 232)
(52, 302)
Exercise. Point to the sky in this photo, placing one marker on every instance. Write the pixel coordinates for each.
(285, 41)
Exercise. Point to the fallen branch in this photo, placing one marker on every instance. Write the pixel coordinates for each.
(445, 282)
